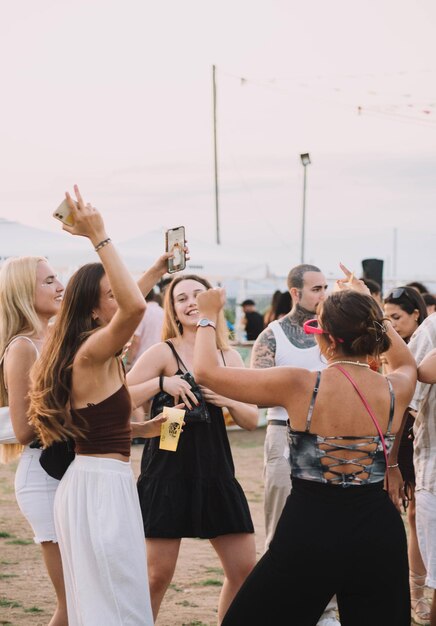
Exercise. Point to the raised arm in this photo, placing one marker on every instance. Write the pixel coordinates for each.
(244, 414)
(111, 338)
(153, 275)
(269, 387)
(401, 368)
(400, 362)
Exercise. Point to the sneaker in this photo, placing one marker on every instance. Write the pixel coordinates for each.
(328, 618)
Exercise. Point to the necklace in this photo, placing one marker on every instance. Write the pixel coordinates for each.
(358, 363)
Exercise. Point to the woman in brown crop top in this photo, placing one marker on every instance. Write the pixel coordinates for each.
(97, 514)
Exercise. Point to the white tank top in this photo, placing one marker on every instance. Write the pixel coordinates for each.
(13, 341)
(288, 354)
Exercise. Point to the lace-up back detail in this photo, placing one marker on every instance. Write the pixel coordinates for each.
(339, 460)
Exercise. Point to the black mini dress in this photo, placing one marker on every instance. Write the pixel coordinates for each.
(192, 492)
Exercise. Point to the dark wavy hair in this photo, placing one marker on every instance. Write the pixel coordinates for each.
(409, 300)
(356, 321)
(51, 374)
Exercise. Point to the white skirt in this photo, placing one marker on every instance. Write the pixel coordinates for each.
(101, 538)
(35, 491)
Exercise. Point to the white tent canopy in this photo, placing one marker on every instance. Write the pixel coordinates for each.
(65, 253)
(60, 249)
(218, 262)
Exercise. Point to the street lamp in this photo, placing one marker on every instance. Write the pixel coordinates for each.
(305, 160)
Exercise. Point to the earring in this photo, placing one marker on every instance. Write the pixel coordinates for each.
(330, 351)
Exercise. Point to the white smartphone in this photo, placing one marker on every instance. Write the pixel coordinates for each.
(63, 213)
(175, 243)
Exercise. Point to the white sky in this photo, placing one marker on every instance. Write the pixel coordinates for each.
(116, 95)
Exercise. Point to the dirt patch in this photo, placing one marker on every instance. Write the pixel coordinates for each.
(26, 595)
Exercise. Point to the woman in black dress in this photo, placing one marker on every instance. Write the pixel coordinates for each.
(192, 492)
(406, 309)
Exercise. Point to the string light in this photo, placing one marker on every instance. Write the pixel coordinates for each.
(420, 111)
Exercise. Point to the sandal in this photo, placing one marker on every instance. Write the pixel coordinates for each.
(421, 606)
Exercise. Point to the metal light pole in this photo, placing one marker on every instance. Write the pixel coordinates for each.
(215, 157)
(305, 160)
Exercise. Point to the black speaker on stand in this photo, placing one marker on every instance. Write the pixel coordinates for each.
(373, 269)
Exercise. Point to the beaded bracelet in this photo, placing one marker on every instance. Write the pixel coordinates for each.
(102, 244)
(393, 466)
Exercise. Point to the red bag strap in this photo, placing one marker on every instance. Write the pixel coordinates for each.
(373, 417)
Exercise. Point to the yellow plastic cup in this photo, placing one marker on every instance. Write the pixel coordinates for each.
(171, 429)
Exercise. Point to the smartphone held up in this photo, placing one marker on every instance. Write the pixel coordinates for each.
(63, 213)
(175, 243)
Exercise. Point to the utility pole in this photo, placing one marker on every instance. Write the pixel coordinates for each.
(215, 152)
(305, 161)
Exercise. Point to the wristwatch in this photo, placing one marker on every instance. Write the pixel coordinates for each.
(205, 322)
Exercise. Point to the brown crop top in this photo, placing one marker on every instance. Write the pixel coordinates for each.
(106, 425)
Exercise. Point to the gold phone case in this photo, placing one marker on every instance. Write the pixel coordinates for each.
(63, 214)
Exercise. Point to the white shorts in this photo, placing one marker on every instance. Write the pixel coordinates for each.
(426, 531)
(101, 539)
(35, 491)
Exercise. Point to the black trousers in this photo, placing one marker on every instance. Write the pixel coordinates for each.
(350, 542)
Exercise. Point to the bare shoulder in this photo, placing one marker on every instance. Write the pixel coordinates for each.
(21, 349)
(403, 386)
(18, 361)
(296, 383)
(264, 350)
(161, 348)
(233, 358)
(151, 363)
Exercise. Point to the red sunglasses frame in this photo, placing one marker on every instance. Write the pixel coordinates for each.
(309, 329)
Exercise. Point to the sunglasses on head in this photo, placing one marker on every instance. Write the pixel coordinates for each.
(401, 292)
(311, 327)
(397, 293)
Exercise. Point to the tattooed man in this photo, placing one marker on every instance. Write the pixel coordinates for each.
(284, 342)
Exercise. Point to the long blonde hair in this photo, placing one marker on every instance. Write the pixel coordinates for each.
(17, 317)
(172, 328)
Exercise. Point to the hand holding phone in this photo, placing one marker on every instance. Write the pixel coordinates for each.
(175, 244)
(63, 213)
(81, 219)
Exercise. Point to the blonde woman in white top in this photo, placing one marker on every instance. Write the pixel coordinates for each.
(30, 294)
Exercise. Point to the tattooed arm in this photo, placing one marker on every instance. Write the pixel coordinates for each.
(264, 350)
